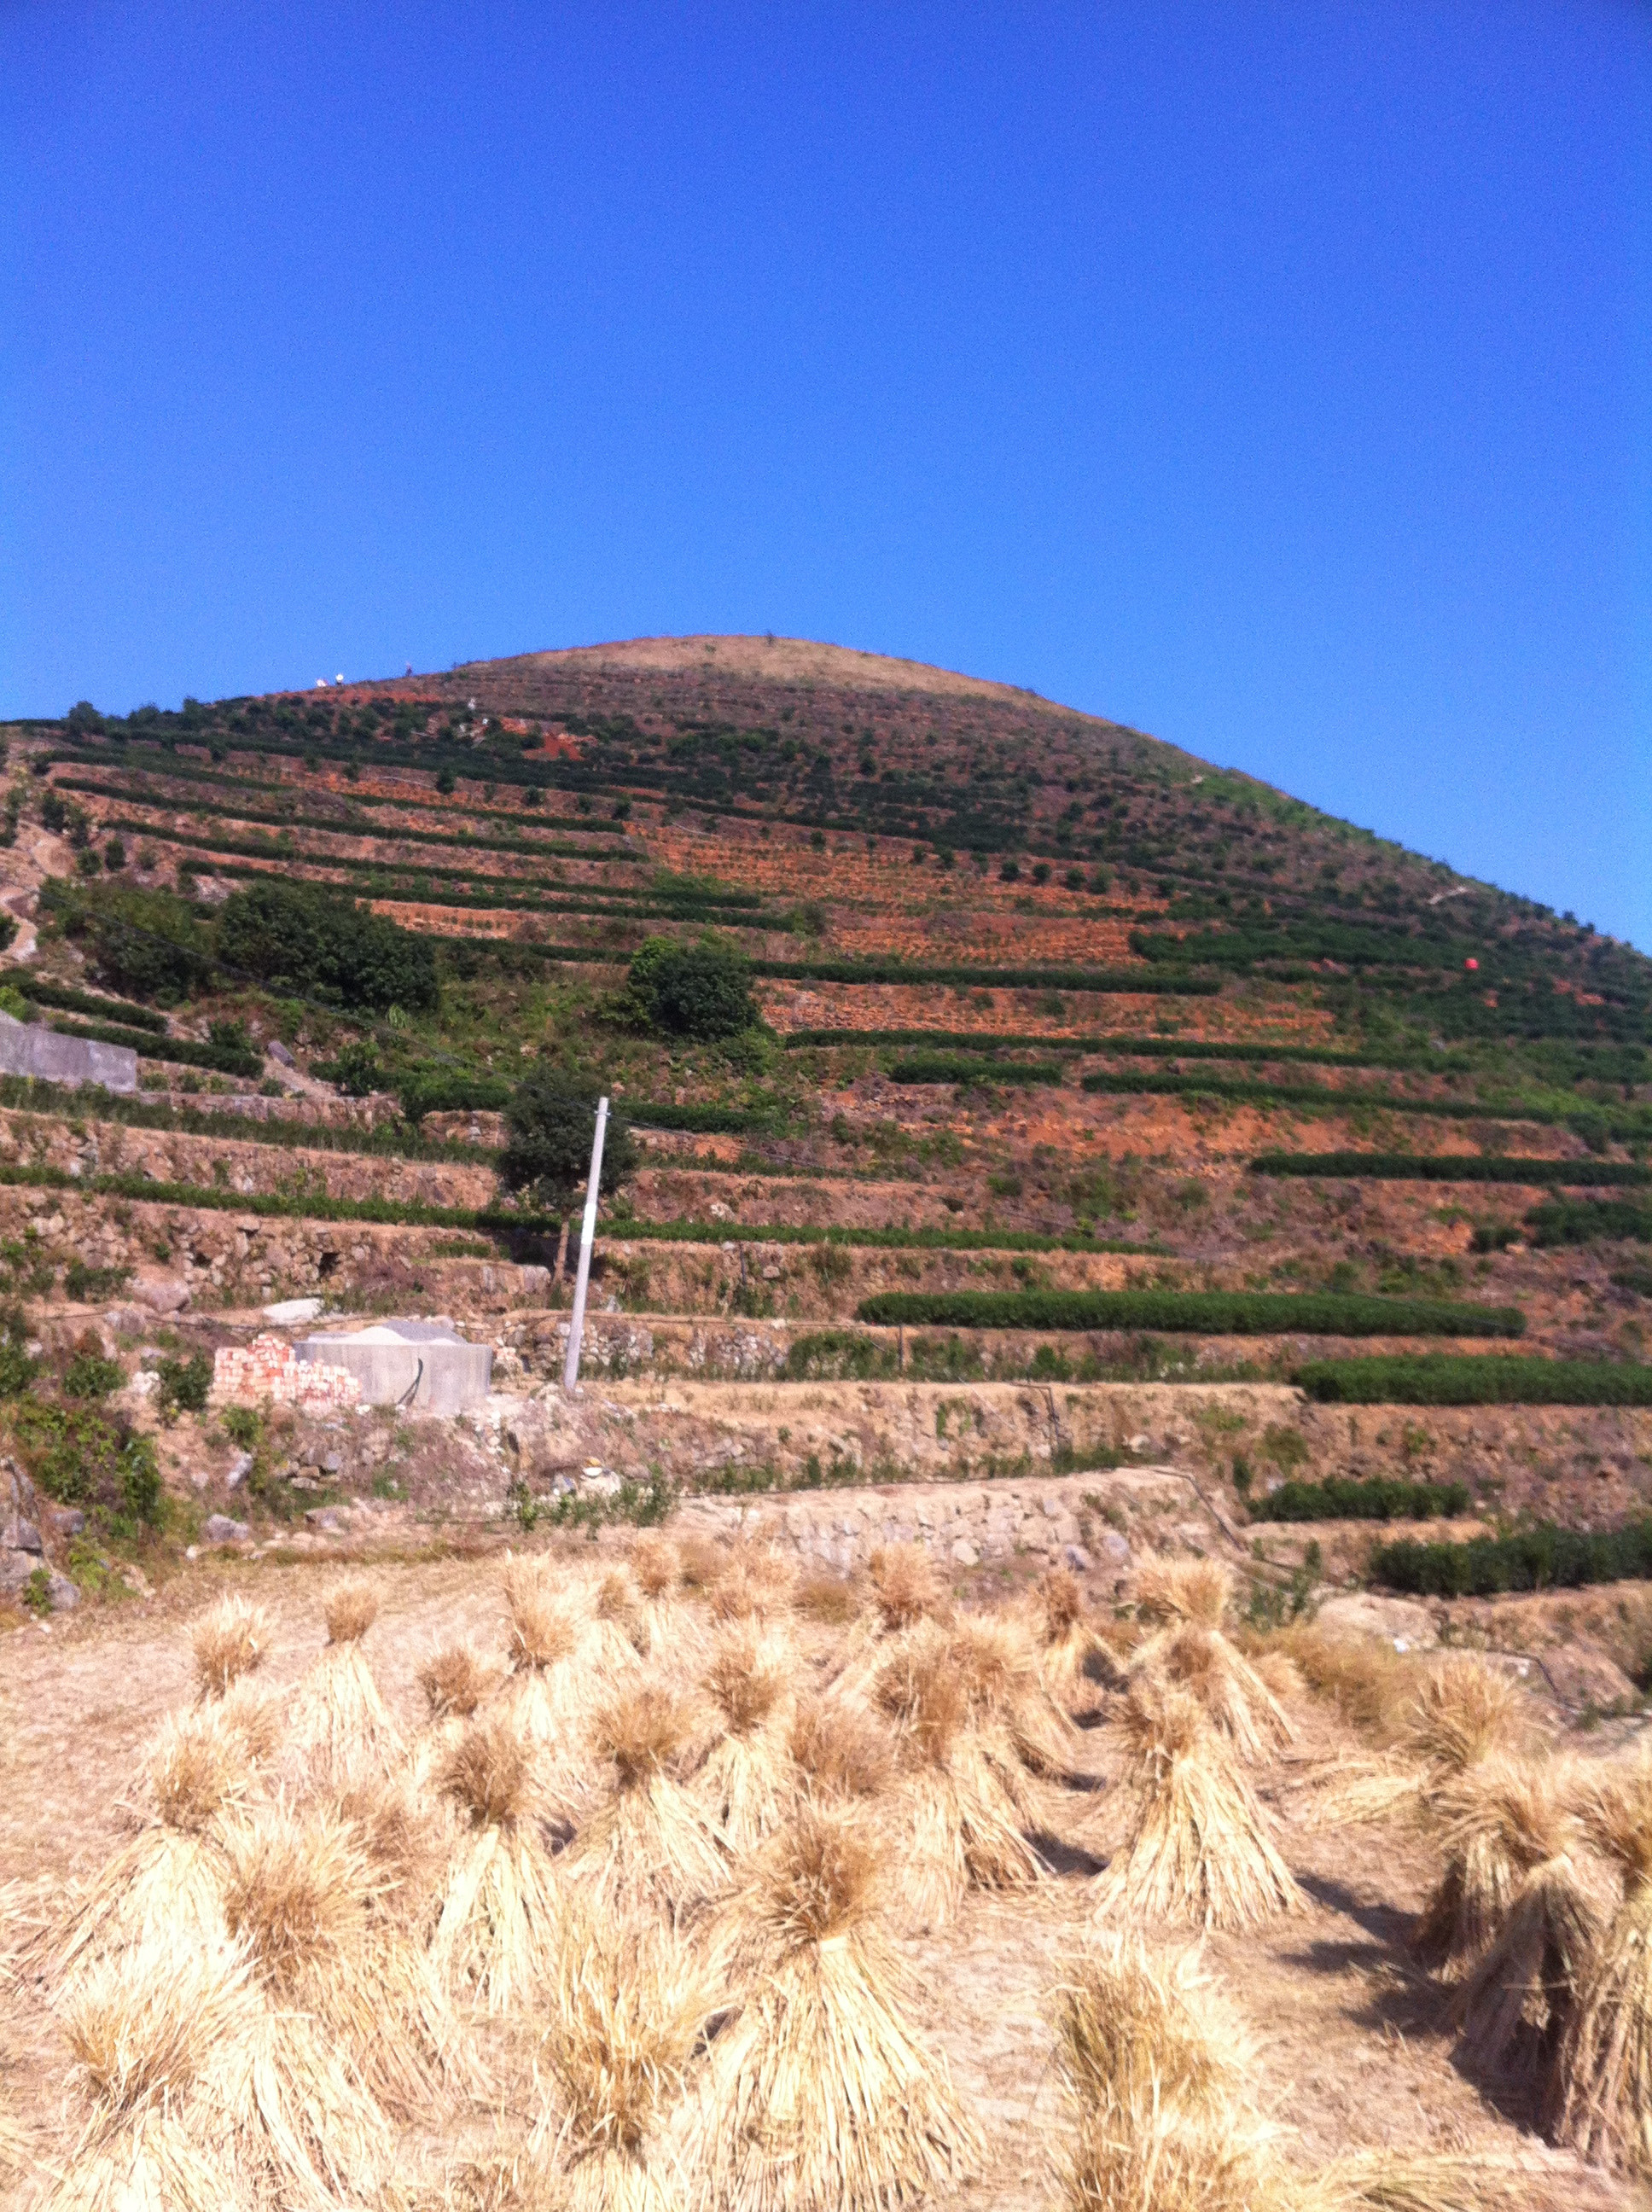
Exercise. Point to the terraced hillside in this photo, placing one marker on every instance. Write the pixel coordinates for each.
(1081, 1063)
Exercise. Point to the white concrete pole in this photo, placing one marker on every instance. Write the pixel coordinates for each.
(588, 1230)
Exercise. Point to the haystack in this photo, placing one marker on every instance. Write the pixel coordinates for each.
(957, 1819)
(1155, 2067)
(1512, 1814)
(1200, 1847)
(1064, 1639)
(822, 2097)
(162, 1885)
(497, 1915)
(547, 1643)
(156, 2036)
(1462, 1715)
(1170, 1592)
(840, 1753)
(341, 1726)
(757, 1585)
(905, 1587)
(646, 1845)
(1024, 1731)
(656, 1566)
(229, 1642)
(351, 2025)
(1235, 1697)
(745, 1782)
(455, 1680)
(626, 2008)
(1599, 2093)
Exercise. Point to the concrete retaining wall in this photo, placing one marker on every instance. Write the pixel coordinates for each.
(27, 1049)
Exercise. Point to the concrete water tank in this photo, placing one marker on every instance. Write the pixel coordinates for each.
(421, 1364)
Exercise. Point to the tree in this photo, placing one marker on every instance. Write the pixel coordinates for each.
(546, 1154)
(299, 937)
(84, 720)
(700, 990)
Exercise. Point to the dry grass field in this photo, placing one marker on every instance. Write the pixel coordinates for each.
(588, 1915)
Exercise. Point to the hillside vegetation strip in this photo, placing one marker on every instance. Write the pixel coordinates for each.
(1589, 1221)
(1450, 1167)
(1320, 1097)
(1544, 1558)
(1477, 1379)
(1373, 1497)
(1204, 1313)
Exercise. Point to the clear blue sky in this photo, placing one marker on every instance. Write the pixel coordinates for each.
(1276, 379)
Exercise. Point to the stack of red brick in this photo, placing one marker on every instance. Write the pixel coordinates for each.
(268, 1368)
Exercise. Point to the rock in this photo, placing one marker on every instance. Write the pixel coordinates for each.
(332, 1464)
(1396, 1620)
(277, 1051)
(324, 1518)
(16, 1568)
(144, 1384)
(66, 1521)
(164, 1294)
(292, 1313)
(1580, 1675)
(1139, 1444)
(1116, 1548)
(535, 1281)
(1052, 1507)
(1076, 1557)
(62, 1593)
(965, 1552)
(239, 1467)
(220, 1529)
(24, 1536)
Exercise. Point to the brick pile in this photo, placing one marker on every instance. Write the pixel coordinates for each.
(269, 1367)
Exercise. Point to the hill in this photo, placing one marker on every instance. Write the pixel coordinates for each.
(1080, 1060)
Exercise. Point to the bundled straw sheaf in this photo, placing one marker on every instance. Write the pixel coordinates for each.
(823, 2097)
(341, 1726)
(745, 1784)
(1598, 2097)
(646, 1843)
(229, 1642)
(626, 2006)
(1200, 1847)
(497, 1914)
(546, 1642)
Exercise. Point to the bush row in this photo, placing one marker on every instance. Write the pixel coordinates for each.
(868, 1238)
(1240, 1090)
(390, 1140)
(1205, 1313)
(1589, 1221)
(943, 1068)
(422, 1094)
(1544, 1558)
(1380, 1497)
(1485, 1379)
(84, 1002)
(1449, 1167)
(1127, 1047)
(1109, 981)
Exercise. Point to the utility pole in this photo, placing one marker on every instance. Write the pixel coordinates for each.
(588, 1230)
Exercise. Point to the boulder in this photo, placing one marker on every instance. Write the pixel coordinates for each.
(162, 1294)
(222, 1529)
(1399, 1621)
(292, 1313)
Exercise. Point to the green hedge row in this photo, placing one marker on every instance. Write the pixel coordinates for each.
(1589, 1221)
(1484, 1379)
(869, 1238)
(180, 1052)
(943, 1068)
(1545, 1557)
(83, 1002)
(1114, 981)
(391, 1140)
(1240, 1090)
(1125, 1047)
(1450, 1167)
(1205, 1313)
(484, 1094)
(1381, 1498)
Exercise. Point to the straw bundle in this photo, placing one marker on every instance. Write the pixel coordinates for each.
(905, 1587)
(341, 1725)
(403, 1843)
(822, 2098)
(1600, 2096)
(1167, 1591)
(1063, 1639)
(1200, 1847)
(1024, 1730)
(161, 1886)
(545, 1642)
(656, 1566)
(745, 1784)
(756, 1582)
(497, 1914)
(1463, 1712)
(455, 1680)
(962, 1825)
(229, 1642)
(350, 2026)
(625, 2012)
(839, 1752)
(622, 1631)
(1514, 2004)
(1154, 2069)
(1238, 1702)
(646, 1845)
(146, 2034)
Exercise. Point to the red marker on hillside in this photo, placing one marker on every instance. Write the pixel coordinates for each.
(1471, 965)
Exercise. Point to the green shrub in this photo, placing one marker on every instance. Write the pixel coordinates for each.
(1380, 1497)
(79, 1455)
(548, 1152)
(1476, 1379)
(183, 1383)
(1544, 1558)
(699, 991)
(355, 1069)
(839, 1355)
(1449, 1167)
(1205, 1313)
(942, 1067)
(89, 1374)
(85, 1285)
(145, 942)
(297, 938)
